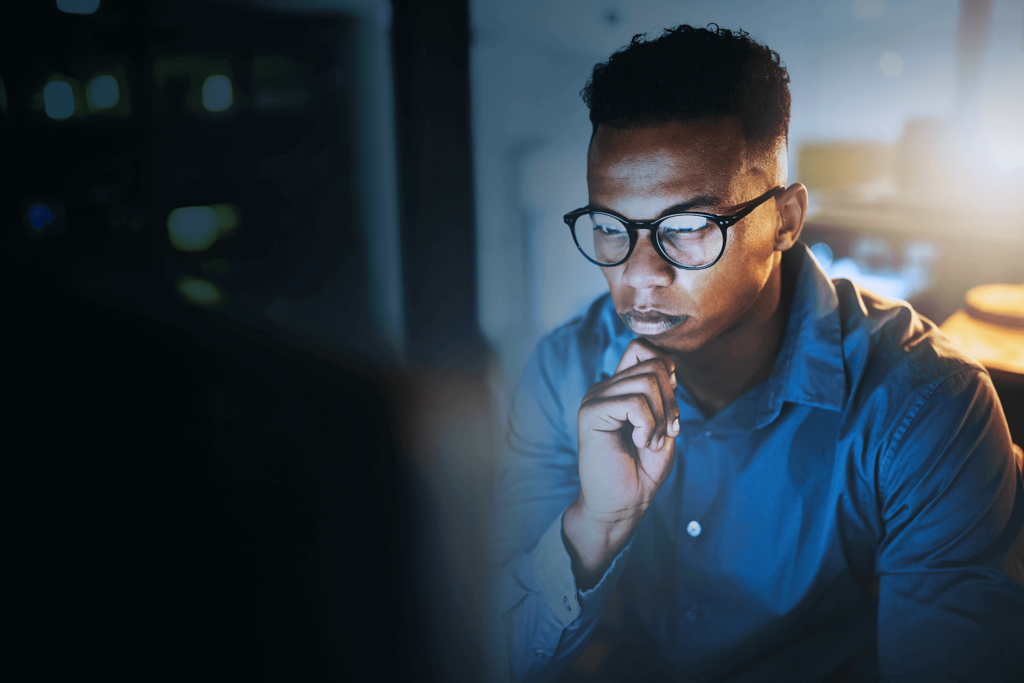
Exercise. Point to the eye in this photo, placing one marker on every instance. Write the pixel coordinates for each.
(607, 225)
(680, 225)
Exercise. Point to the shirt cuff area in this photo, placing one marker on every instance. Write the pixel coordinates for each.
(552, 568)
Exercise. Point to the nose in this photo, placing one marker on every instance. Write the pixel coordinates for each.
(645, 268)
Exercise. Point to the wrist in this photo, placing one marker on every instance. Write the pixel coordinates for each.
(593, 539)
(607, 528)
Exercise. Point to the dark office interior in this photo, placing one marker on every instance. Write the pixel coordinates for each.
(198, 489)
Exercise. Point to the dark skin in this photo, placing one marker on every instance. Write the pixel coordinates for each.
(716, 330)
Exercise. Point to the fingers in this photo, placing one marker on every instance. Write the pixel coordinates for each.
(665, 380)
(613, 413)
(654, 362)
(640, 394)
(641, 353)
(650, 380)
(644, 387)
(640, 350)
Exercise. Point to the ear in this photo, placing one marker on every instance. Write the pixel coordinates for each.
(792, 206)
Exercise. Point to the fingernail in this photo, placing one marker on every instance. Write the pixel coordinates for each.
(675, 426)
(661, 444)
(672, 379)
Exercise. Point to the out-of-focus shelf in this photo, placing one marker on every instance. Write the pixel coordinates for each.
(892, 217)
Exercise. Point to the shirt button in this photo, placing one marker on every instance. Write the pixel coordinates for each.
(540, 654)
(708, 433)
(693, 528)
(692, 614)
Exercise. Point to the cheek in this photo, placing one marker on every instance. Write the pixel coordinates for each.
(712, 292)
(613, 277)
(736, 281)
(751, 243)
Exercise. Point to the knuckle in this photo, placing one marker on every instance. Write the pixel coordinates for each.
(651, 378)
(640, 401)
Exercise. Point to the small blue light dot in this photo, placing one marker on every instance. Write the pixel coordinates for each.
(38, 216)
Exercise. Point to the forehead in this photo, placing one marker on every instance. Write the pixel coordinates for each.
(667, 164)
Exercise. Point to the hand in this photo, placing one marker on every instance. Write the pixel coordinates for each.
(627, 427)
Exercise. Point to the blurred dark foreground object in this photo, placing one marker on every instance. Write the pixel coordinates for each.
(193, 501)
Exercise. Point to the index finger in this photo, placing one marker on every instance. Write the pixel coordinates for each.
(640, 350)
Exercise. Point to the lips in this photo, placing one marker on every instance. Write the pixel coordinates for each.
(651, 322)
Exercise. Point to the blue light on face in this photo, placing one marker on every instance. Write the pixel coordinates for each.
(59, 100)
(217, 94)
(102, 92)
(78, 6)
(38, 216)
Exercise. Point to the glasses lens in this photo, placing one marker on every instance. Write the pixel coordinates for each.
(603, 238)
(692, 241)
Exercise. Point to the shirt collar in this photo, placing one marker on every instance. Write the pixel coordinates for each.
(809, 368)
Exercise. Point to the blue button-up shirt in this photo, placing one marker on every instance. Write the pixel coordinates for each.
(875, 450)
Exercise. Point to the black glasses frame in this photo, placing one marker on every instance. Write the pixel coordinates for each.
(723, 223)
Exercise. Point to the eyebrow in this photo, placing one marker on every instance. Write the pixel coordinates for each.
(695, 202)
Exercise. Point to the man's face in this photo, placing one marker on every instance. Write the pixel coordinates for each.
(646, 173)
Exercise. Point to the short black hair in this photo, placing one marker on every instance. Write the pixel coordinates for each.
(689, 74)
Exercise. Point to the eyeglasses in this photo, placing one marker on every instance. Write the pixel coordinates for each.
(690, 240)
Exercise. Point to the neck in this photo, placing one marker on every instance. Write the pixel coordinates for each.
(740, 358)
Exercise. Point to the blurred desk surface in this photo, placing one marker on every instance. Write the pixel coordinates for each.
(997, 348)
(991, 329)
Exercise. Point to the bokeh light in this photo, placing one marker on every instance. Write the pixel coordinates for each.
(1002, 120)
(78, 6)
(200, 292)
(217, 93)
(39, 216)
(823, 254)
(865, 10)
(891, 65)
(196, 228)
(59, 100)
(102, 92)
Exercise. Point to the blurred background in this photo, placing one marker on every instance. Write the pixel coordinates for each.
(274, 267)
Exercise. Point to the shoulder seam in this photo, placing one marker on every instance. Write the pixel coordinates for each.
(908, 419)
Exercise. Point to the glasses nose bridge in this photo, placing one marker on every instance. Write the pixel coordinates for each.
(646, 265)
(638, 228)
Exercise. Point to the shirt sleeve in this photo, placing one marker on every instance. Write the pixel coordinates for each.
(951, 561)
(539, 620)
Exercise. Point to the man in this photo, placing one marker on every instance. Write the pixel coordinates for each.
(785, 478)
